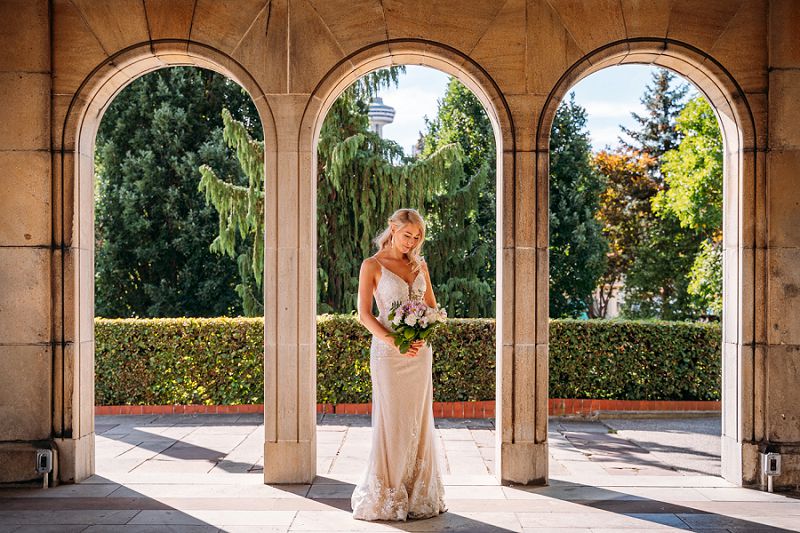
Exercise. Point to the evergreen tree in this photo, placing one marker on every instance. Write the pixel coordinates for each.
(656, 133)
(577, 247)
(241, 210)
(362, 180)
(461, 220)
(152, 227)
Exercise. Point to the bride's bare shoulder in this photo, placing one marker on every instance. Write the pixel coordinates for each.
(370, 264)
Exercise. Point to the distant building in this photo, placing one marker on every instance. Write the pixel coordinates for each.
(614, 305)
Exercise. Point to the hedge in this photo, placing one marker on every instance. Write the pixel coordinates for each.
(220, 360)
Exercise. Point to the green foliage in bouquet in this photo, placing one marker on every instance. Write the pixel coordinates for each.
(405, 334)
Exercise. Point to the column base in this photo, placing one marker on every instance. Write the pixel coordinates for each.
(75, 459)
(523, 463)
(290, 462)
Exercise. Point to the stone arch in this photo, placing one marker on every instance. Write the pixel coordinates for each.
(743, 290)
(410, 52)
(73, 215)
(478, 80)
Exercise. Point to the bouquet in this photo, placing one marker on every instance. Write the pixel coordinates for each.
(413, 320)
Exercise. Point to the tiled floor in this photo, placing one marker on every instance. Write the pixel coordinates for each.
(198, 473)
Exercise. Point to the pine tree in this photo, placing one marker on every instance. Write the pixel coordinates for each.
(656, 133)
(152, 227)
(461, 220)
(577, 247)
(240, 210)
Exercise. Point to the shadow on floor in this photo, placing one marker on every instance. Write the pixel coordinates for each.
(34, 510)
(649, 511)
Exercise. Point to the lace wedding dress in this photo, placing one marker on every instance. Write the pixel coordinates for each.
(402, 479)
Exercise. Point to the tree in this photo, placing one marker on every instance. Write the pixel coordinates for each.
(240, 211)
(655, 283)
(656, 133)
(693, 171)
(152, 227)
(361, 180)
(624, 208)
(461, 219)
(577, 247)
(693, 175)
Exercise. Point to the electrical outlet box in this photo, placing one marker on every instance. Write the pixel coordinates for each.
(44, 461)
(771, 463)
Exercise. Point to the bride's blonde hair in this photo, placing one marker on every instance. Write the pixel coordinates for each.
(400, 218)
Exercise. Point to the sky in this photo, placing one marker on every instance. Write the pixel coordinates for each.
(609, 97)
(415, 97)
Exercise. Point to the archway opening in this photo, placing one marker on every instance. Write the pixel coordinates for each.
(128, 71)
(377, 151)
(636, 167)
(735, 123)
(414, 52)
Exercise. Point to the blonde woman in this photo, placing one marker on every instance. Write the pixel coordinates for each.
(402, 479)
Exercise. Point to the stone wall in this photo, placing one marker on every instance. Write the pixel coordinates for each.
(294, 57)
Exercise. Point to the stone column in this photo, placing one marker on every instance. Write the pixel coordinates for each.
(26, 240)
(743, 311)
(289, 300)
(522, 307)
(778, 412)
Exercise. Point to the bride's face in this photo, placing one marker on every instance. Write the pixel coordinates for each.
(406, 237)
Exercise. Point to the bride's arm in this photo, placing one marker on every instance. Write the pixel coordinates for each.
(430, 299)
(366, 287)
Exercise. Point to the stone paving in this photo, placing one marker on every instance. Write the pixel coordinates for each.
(204, 473)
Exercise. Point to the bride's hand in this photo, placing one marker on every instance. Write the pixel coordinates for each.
(415, 346)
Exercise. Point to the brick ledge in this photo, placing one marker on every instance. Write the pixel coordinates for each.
(475, 409)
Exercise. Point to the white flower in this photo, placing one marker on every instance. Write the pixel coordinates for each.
(423, 322)
(411, 319)
(397, 319)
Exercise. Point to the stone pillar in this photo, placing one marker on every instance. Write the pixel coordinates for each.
(522, 308)
(290, 290)
(743, 311)
(779, 410)
(72, 265)
(25, 238)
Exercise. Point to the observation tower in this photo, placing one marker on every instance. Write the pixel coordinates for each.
(379, 115)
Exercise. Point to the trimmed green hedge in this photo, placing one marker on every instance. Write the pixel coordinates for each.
(165, 361)
(635, 360)
(220, 360)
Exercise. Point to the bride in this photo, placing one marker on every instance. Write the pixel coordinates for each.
(402, 479)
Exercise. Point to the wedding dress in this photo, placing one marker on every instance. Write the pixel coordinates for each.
(402, 479)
